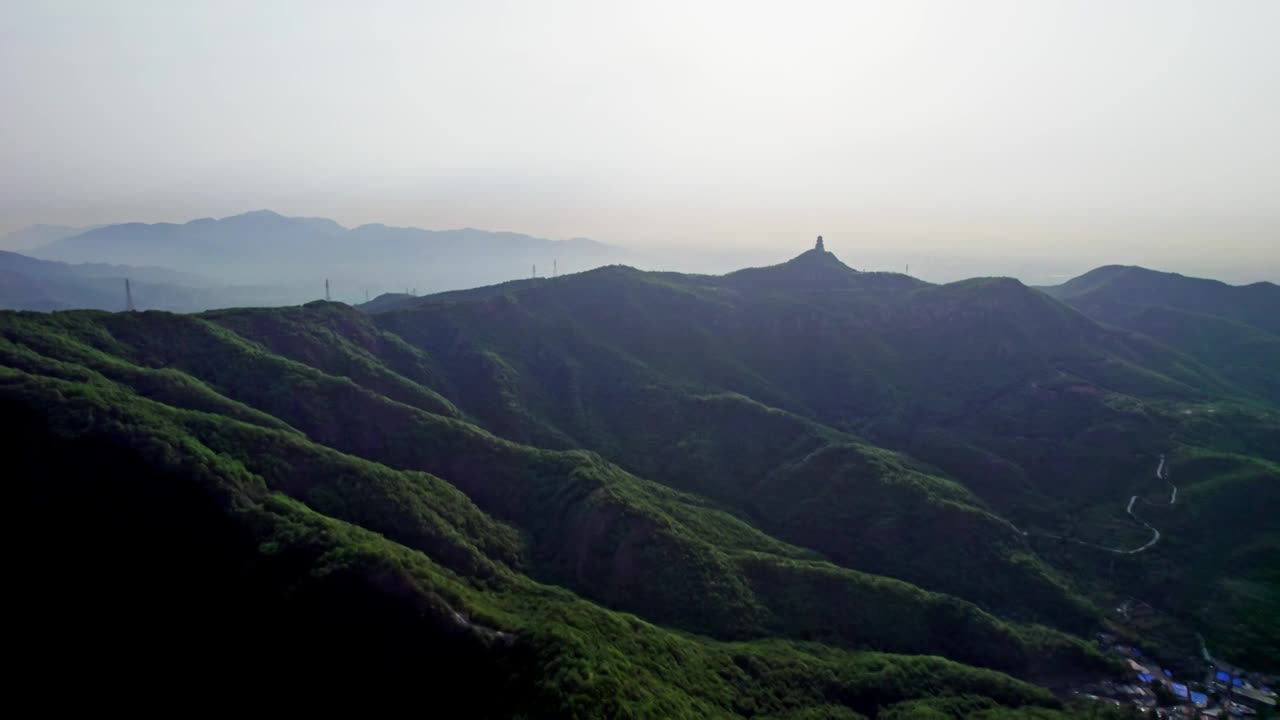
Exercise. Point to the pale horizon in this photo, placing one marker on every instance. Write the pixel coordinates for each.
(1065, 134)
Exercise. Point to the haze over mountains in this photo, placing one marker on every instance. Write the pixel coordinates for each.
(27, 283)
(266, 248)
(530, 395)
(35, 236)
(264, 258)
(779, 491)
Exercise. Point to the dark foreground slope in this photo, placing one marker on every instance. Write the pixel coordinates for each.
(168, 527)
(582, 522)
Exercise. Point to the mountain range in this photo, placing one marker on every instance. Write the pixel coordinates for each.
(793, 491)
(35, 236)
(263, 258)
(266, 248)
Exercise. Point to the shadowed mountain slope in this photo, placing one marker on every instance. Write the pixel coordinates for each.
(575, 485)
(1233, 329)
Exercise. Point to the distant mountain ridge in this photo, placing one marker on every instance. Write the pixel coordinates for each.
(53, 268)
(811, 271)
(28, 283)
(268, 248)
(39, 235)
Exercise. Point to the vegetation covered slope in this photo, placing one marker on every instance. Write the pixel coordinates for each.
(903, 523)
(1233, 329)
(769, 476)
(578, 512)
(1039, 413)
(234, 532)
(1253, 304)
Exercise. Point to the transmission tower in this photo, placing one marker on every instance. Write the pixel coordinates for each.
(535, 272)
(554, 269)
(326, 289)
(128, 297)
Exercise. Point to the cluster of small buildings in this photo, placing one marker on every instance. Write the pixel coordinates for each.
(1247, 692)
(1225, 692)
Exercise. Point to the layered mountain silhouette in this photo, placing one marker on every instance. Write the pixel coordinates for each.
(30, 284)
(792, 491)
(266, 248)
(35, 236)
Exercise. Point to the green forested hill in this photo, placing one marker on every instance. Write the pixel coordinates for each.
(1254, 304)
(779, 491)
(1233, 329)
(724, 385)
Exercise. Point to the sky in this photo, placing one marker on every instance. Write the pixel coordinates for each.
(1053, 135)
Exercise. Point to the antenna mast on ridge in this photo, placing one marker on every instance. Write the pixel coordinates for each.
(535, 271)
(128, 297)
(326, 289)
(554, 269)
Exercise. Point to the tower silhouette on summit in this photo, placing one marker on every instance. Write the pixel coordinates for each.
(818, 246)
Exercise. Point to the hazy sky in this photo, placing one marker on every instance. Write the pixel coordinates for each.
(1077, 132)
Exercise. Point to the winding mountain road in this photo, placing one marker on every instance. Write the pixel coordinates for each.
(1173, 489)
(1155, 534)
